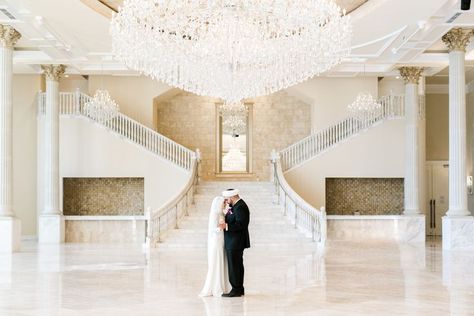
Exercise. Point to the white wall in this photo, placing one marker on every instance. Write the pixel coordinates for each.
(25, 88)
(133, 94)
(391, 85)
(74, 82)
(330, 97)
(88, 150)
(376, 153)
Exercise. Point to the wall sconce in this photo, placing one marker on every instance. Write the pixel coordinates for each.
(470, 190)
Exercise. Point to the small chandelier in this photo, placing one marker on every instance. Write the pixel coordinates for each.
(231, 49)
(364, 106)
(101, 107)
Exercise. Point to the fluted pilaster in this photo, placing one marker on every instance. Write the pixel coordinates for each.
(411, 76)
(456, 40)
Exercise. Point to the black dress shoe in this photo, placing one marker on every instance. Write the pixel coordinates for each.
(231, 294)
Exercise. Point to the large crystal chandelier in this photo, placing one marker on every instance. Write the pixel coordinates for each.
(365, 107)
(101, 107)
(231, 49)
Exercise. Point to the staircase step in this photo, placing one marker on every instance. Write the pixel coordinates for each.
(268, 228)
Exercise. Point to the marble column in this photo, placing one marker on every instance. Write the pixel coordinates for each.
(458, 230)
(10, 226)
(51, 221)
(411, 76)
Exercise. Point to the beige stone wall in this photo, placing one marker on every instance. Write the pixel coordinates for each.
(278, 121)
(103, 196)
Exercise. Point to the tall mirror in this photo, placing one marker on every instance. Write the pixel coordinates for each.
(233, 138)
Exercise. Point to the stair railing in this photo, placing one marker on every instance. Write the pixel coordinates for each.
(392, 107)
(171, 213)
(73, 104)
(304, 216)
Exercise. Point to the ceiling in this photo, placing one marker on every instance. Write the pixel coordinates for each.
(386, 35)
(349, 5)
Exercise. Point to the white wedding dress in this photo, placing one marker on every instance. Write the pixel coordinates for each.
(217, 280)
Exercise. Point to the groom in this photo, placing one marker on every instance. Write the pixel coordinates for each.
(236, 239)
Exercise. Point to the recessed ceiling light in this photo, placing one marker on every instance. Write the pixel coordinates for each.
(397, 77)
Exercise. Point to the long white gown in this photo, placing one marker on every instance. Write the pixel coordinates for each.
(217, 280)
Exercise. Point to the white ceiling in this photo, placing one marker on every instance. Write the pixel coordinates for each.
(387, 34)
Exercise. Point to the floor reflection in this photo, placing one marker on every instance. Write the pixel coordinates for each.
(348, 278)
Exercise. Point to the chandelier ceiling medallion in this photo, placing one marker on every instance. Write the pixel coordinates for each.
(231, 49)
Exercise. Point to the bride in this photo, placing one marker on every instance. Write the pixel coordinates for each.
(217, 280)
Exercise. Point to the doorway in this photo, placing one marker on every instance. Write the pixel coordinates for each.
(438, 195)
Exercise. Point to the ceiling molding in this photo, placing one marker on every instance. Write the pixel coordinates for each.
(99, 7)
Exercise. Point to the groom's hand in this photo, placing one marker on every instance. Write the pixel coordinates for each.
(222, 226)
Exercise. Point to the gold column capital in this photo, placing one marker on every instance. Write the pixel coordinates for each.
(457, 39)
(9, 35)
(53, 72)
(411, 74)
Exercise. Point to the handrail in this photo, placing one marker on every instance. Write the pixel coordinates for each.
(305, 217)
(392, 107)
(73, 104)
(169, 215)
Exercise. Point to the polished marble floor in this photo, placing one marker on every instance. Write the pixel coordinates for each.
(348, 279)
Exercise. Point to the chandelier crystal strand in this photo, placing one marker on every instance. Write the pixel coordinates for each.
(365, 106)
(231, 49)
(101, 107)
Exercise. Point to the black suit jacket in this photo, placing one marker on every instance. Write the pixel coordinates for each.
(236, 236)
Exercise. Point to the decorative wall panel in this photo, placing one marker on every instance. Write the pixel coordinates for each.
(365, 196)
(103, 196)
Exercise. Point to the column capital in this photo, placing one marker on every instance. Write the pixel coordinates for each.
(8, 35)
(53, 72)
(457, 39)
(411, 74)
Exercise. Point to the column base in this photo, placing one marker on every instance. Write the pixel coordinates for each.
(10, 234)
(458, 232)
(51, 229)
(411, 229)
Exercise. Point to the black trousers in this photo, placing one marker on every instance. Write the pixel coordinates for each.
(235, 262)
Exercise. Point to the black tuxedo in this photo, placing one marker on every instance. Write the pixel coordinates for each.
(236, 238)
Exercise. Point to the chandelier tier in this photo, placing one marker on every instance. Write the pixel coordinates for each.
(231, 49)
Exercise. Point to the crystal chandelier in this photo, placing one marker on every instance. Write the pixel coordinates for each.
(231, 49)
(365, 106)
(234, 116)
(101, 107)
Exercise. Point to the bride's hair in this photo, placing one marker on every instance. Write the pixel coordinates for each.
(217, 204)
